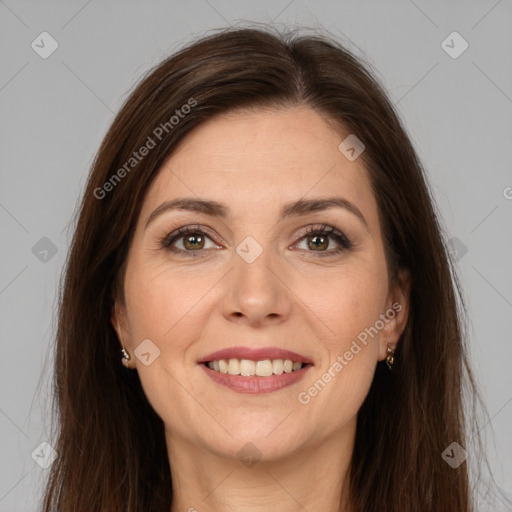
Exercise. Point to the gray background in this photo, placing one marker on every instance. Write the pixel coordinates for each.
(55, 111)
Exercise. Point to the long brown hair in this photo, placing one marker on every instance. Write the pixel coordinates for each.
(111, 444)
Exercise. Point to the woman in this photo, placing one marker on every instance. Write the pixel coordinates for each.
(258, 308)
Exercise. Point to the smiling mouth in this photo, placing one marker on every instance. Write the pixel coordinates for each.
(251, 368)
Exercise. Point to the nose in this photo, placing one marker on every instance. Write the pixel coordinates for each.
(255, 293)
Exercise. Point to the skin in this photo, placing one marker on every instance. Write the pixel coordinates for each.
(188, 307)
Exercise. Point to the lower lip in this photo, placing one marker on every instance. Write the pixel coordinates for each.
(256, 385)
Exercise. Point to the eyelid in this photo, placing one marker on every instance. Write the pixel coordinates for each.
(328, 231)
(323, 229)
(181, 231)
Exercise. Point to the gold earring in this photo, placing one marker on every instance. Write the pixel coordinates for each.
(390, 359)
(126, 356)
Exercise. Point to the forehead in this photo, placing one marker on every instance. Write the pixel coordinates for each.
(260, 159)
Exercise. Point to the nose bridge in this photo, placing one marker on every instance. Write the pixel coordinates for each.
(253, 263)
(256, 290)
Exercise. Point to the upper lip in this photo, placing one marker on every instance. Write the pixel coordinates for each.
(255, 354)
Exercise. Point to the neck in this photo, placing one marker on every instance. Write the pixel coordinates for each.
(312, 478)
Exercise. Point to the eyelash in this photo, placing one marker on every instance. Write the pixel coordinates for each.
(322, 230)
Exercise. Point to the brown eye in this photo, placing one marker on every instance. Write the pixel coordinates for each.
(188, 239)
(193, 241)
(318, 241)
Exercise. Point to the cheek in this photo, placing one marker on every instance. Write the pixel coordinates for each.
(350, 307)
(163, 306)
(161, 300)
(353, 352)
(351, 303)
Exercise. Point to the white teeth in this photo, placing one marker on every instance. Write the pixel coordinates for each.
(234, 367)
(277, 366)
(249, 368)
(223, 366)
(264, 368)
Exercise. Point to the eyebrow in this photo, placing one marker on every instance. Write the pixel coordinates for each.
(222, 211)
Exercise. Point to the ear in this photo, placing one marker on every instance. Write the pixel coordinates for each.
(119, 321)
(396, 314)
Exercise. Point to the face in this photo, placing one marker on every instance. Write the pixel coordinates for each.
(266, 281)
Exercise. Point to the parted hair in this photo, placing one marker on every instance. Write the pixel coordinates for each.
(110, 441)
